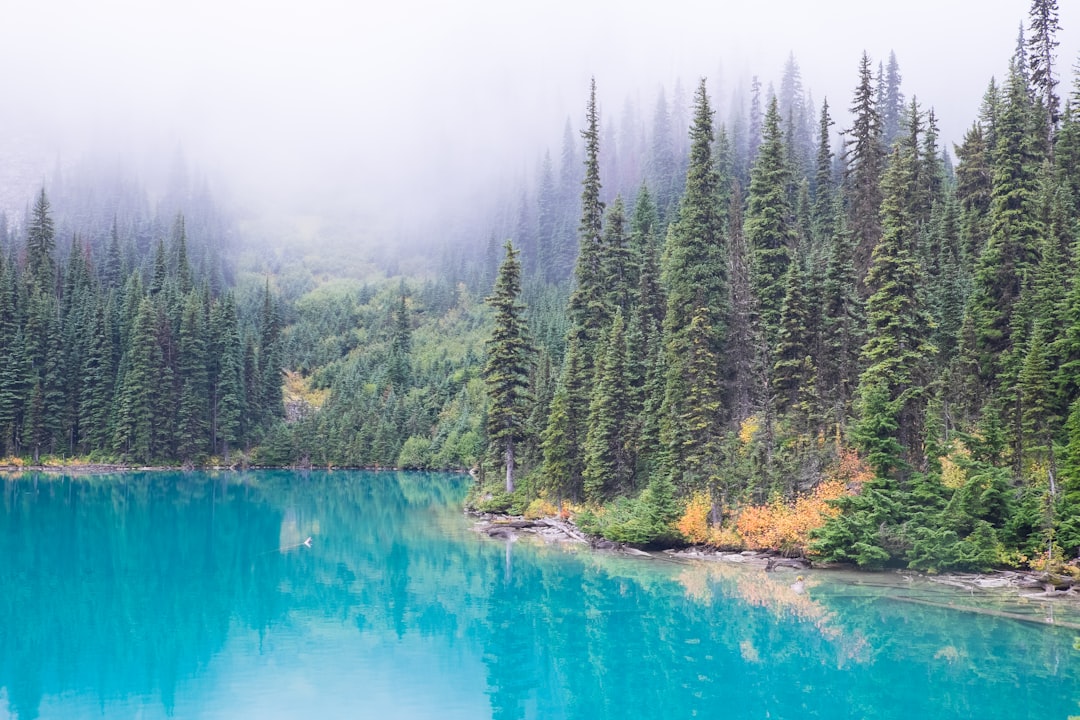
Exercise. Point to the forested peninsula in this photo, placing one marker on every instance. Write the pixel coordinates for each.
(748, 335)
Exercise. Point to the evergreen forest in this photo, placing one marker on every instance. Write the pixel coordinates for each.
(751, 328)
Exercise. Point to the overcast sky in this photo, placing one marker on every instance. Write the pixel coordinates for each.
(401, 104)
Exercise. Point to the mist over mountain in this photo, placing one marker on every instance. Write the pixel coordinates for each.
(387, 123)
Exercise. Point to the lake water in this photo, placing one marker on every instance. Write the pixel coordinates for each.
(193, 595)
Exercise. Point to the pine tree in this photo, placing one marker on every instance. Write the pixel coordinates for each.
(769, 224)
(696, 276)
(225, 377)
(893, 102)
(616, 263)
(743, 365)
(269, 401)
(588, 303)
(400, 359)
(897, 351)
(865, 161)
(973, 185)
(40, 246)
(824, 190)
(1042, 47)
(754, 134)
(546, 221)
(98, 383)
(138, 389)
(193, 421)
(564, 434)
(792, 369)
(606, 465)
(506, 371)
(1011, 251)
(661, 167)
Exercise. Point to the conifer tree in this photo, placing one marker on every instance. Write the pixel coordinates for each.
(138, 389)
(973, 183)
(564, 434)
(769, 224)
(1042, 55)
(897, 351)
(399, 361)
(226, 377)
(506, 371)
(696, 276)
(98, 380)
(824, 189)
(546, 222)
(588, 303)
(661, 167)
(193, 421)
(892, 107)
(606, 465)
(742, 360)
(792, 368)
(616, 264)
(269, 401)
(1012, 247)
(865, 161)
(40, 246)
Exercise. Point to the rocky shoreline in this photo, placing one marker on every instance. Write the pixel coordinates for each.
(1026, 583)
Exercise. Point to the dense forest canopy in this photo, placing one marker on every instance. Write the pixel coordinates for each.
(768, 327)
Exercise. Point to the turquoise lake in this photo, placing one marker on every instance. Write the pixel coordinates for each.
(193, 595)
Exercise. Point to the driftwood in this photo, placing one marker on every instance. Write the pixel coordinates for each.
(516, 524)
(564, 528)
(794, 563)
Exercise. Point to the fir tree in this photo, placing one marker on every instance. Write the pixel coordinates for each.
(696, 277)
(768, 226)
(897, 350)
(606, 465)
(564, 434)
(1011, 250)
(506, 371)
(588, 302)
(1042, 49)
(865, 161)
(193, 421)
(40, 246)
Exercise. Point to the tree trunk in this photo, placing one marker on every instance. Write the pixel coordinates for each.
(510, 467)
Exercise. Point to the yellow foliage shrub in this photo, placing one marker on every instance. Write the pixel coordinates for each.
(785, 526)
(953, 475)
(540, 508)
(748, 429)
(694, 523)
(726, 538)
(850, 469)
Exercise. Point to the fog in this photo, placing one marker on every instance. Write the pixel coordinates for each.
(397, 114)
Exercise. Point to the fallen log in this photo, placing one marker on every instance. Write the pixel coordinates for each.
(990, 612)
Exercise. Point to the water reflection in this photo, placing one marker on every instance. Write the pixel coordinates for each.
(191, 594)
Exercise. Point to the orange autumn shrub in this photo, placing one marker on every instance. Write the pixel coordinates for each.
(694, 523)
(786, 526)
(850, 469)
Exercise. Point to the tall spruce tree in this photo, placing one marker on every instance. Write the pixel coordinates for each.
(695, 270)
(607, 466)
(41, 246)
(1012, 247)
(769, 223)
(865, 161)
(506, 371)
(897, 351)
(1042, 56)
